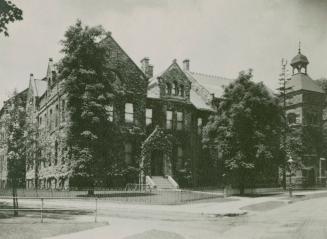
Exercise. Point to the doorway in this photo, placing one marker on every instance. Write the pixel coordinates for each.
(157, 163)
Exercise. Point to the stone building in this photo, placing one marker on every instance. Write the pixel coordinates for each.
(304, 110)
(160, 117)
(48, 110)
(179, 103)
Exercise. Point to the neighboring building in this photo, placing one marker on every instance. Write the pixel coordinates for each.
(304, 111)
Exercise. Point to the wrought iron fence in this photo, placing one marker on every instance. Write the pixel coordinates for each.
(139, 194)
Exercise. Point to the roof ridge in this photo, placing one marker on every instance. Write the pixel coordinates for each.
(210, 75)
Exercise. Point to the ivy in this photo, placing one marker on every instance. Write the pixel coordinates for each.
(157, 140)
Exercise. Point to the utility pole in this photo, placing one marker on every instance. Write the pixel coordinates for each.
(283, 95)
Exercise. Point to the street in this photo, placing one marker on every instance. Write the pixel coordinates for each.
(301, 219)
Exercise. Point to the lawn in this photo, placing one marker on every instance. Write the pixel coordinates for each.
(27, 224)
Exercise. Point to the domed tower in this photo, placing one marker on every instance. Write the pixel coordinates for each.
(304, 107)
(299, 63)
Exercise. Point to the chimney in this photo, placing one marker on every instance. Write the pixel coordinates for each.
(31, 77)
(186, 65)
(146, 67)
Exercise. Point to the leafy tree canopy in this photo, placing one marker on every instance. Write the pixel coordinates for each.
(91, 86)
(9, 12)
(246, 130)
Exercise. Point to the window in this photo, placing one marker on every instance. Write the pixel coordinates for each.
(180, 120)
(110, 112)
(168, 89)
(181, 91)
(50, 119)
(169, 119)
(199, 125)
(63, 155)
(56, 153)
(57, 116)
(148, 116)
(63, 108)
(128, 153)
(179, 158)
(291, 117)
(129, 113)
(40, 121)
(175, 89)
(49, 158)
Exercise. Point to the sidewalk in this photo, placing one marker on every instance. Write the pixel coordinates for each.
(120, 228)
(231, 207)
(124, 227)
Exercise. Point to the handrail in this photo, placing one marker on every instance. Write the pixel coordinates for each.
(150, 182)
(173, 182)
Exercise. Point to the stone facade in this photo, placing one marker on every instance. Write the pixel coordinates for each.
(49, 111)
(304, 110)
(178, 103)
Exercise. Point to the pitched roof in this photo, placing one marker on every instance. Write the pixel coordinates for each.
(39, 87)
(213, 84)
(301, 81)
(202, 88)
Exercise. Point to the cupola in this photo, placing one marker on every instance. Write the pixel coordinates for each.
(299, 63)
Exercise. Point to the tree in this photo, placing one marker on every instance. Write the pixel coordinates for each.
(322, 82)
(9, 12)
(246, 132)
(14, 122)
(91, 86)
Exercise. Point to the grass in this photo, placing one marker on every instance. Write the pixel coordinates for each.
(22, 228)
(27, 224)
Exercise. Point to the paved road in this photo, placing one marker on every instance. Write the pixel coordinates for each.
(303, 219)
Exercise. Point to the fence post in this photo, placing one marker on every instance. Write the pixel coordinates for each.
(42, 210)
(96, 210)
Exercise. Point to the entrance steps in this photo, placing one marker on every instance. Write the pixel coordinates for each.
(164, 182)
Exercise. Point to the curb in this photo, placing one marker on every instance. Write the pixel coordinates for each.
(227, 214)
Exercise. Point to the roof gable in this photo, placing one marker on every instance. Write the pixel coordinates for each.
(173, 73)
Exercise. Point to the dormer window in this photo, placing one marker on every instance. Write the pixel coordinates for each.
(168, 89)
(175, 89)
(181, 91)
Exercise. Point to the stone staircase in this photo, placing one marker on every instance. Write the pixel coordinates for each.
(162, 182)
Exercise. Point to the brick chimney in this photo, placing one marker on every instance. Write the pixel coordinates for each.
(186, 65)
(146, 67)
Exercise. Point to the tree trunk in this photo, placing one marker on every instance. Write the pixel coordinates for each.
(15, 200)
(284, 177)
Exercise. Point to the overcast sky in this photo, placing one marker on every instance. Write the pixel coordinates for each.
(220, 37)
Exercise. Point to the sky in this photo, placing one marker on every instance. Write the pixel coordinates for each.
(220, 37)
